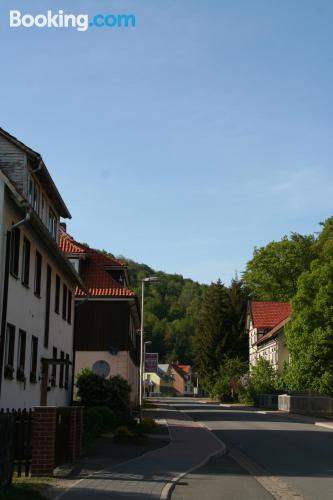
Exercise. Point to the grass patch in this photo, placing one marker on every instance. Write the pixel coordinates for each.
(26, 488)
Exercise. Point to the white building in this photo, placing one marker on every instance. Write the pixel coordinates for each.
(36, 284)
(265, 324)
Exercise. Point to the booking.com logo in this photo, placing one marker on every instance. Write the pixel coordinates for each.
(80, 22)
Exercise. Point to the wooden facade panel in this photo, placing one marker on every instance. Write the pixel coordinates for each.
(13, 163)
(101, 325)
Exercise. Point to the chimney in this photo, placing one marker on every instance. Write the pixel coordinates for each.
(63, 226)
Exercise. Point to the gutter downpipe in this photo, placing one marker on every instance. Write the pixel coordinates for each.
(5, 291)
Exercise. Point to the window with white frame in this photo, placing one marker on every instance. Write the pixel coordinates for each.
(52, 223)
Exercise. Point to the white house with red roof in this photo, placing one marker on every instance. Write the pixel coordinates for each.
(107, 317)
(265, 324)
(37, 283)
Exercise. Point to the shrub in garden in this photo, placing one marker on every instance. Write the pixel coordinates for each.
(93, 423)
(92, 389)
(108, 416)
(263, 377)
(248, 396)
(119, 392)
(145, 426)
(123, 430)
(114, 393)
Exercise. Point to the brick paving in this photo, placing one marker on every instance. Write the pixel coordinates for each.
(144, 478)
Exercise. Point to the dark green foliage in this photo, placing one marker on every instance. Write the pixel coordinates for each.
(92, 423)
(92, 389)
(96, 421)
(119, 394)
(228, 382)
(211, 335)
(26, 489)
(310, 332)
(171, 311)
(220, 331)
(324, 243)
(273, 271)
(263, 377)
(146, 426)
(114, 393)
(108, 416)
(247, 396)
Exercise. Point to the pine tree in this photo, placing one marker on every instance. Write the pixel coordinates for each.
(212, 337)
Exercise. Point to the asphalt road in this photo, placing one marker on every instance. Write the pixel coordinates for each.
(269, 456)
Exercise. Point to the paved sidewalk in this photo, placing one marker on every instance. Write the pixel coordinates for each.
(144, 478)
(319, 422)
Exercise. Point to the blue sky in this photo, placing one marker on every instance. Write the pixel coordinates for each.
(186, 141)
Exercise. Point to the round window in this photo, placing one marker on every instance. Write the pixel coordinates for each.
(101, 368)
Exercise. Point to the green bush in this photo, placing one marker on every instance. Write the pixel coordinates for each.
(123, 430)
(92, 389)
(93, 423)
(108, 416)
(228, 380)
(263, 377)
(145, 426)
(248, 396)
(96, 391)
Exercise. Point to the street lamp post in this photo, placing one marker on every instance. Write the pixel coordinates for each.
(147, 342)
(150, 279)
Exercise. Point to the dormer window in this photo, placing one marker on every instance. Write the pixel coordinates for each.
(75, 263)
(52, 224)
(117, 275)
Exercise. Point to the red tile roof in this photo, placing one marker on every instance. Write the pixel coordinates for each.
(269, 314)
(96, 277)
(182, 369)
(68, 245)
(272, 333)
(185, 368)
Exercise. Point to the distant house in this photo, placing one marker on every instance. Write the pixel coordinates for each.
(37, 283)
(107, 316)
(265, 325)
(159, 383)
(183, 379)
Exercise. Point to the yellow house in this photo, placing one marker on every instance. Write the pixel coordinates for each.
(160, 382)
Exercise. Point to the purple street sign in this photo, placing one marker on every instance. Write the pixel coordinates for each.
(151, 362)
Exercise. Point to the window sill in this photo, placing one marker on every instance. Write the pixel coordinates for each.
(33, 378)
(16, 276)
(25, 285)
(38, 295)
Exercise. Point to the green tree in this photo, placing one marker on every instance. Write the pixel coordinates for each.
(228, 378)
(212, 335)
(324, 243)
(238, 297)
(263, 377)
(171, 310)
(309, 334)
(273, 271)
